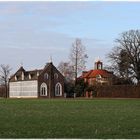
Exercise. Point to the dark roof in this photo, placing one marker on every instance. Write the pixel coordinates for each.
(21, 69)
(32, 73)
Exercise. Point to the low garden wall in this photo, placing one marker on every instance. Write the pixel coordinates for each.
(120, 91)
(2, 91)
(114, 91)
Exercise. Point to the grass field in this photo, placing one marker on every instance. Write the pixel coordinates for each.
(60, 118)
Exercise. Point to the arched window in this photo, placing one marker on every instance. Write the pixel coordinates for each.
(58, 89)
(99, 66)
(43, 89)
(46, 76)
(55, 76)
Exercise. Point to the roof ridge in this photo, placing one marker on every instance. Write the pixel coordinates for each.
(34, 70)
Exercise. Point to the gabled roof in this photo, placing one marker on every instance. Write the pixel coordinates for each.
(21, 69)
(32, 74)
(51, 66)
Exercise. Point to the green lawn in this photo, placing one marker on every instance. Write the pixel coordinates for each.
(60, 118)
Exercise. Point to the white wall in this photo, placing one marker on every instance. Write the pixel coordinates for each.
(24, 89)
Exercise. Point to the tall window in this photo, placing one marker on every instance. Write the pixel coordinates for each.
(99, 66)
(55, 76)
(43, 89)
(58, 89)
(46, 76)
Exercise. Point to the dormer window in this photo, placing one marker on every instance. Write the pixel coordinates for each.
(30, 76)
(15, 78)
(22, 76)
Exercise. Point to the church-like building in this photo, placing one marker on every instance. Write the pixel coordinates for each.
(98, 75)
(44, 83)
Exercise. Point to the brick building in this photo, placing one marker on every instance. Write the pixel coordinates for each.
(98, 75)
(44, 83)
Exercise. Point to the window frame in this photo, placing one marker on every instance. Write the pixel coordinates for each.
(46, 76)
(43, 89)
(58, 88)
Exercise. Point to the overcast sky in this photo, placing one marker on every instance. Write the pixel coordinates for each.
(32, 31)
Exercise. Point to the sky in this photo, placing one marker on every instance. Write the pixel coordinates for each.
(31, 32)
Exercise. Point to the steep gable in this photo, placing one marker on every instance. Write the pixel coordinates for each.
(24, 75)
(50, 77)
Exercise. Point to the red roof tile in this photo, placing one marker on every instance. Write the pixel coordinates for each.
(94, 73)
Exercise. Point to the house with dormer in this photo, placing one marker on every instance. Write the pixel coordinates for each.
(44, 83)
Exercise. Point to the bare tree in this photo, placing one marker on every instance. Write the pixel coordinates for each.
(125, 57)
(67, 70)
(4, 76)
(78, 57)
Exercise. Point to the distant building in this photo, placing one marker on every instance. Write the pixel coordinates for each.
(98, 75)
(44, 83)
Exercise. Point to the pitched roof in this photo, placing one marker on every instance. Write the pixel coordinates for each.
(94, 73)
(21, 69)
(32, 73)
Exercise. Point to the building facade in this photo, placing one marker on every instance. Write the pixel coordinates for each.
(44, 83)
(98, 75)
